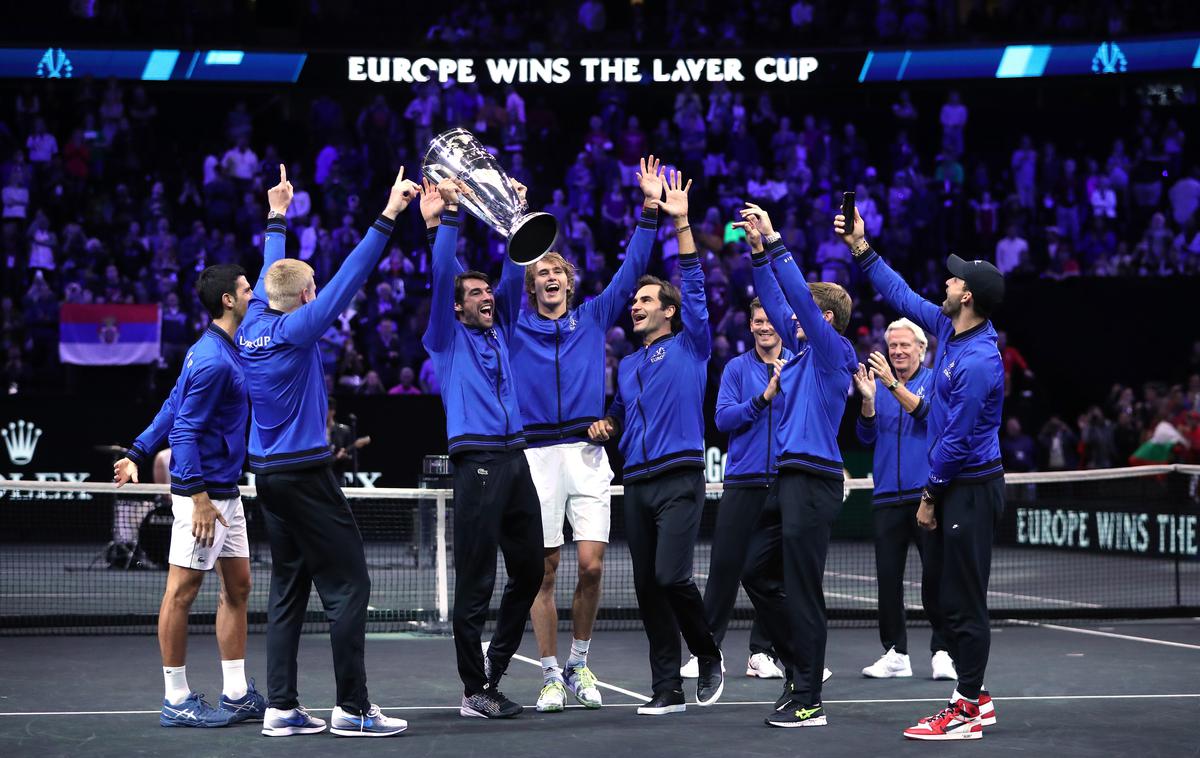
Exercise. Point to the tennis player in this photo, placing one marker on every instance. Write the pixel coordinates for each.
(558, 360)
(204, 420)
(659, 412)
(314, 538)
(963, 497)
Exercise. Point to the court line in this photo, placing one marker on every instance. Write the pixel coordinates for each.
(998, 593)
(1155, 696)
(605, 685)
(1113, 635)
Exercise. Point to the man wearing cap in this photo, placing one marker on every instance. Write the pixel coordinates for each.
(964, 495)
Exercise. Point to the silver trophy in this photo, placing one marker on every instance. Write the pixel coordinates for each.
(456, 154)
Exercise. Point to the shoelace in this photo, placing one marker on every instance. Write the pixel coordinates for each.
(942, 717)
(587, 679)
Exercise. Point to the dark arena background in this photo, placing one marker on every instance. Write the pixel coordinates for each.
(1059, 140)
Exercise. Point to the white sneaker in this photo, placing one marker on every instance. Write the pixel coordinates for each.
(890, 665)
(281, 723)
(691, 669)
(825, 675)
(370, 724)
(553, 697)
(943, 666)
(761, 666)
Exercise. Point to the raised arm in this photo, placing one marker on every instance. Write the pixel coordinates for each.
(822, 337)
(613, 300)
(886, 281)
(440, 332)
(779, 313)
(279, 198)
(694, 305)
(307, 323)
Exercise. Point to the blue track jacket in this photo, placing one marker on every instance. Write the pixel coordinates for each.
(203, 420)
(478, 387)
(968, 390)
(559, 363)
(751, 423)
(813, 385)
(659, 405)
(283, 362)
(901, 465)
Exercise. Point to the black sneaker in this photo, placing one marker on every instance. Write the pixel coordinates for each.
(711, 682)
(489, 703)
(667, 701)
(796, 714)
(789, 689)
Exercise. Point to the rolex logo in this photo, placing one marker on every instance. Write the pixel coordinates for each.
(21, 439)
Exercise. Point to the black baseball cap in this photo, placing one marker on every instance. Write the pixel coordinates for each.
(983, 279)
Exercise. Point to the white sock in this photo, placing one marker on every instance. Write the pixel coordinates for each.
(175, 678)
(550, 669)
(235, 679)
(579, 653)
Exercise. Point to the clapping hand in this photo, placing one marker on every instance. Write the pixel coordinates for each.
(881, 369)
(864, 379)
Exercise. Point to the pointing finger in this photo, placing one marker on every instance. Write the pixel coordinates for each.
(282, 174)
(400, 176)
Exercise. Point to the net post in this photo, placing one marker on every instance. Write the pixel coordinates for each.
(443, 589)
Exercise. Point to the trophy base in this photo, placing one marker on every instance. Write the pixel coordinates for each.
(532, 238)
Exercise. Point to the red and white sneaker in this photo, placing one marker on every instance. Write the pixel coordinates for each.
(987, 710)
(958, 722)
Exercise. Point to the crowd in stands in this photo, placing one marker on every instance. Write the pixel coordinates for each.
(111, 194)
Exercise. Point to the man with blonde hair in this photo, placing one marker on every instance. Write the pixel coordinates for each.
(558, 360)
(894, 420)
(793, 530)
(314, 538)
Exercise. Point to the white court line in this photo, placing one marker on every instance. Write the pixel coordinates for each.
(1155, 696)
(998, 593)
(1113, 635)
(605, 685)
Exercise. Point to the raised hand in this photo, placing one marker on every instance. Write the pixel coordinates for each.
(448, 189)
(881, 369)
(760, 216)
(521, 189)
(432, 203)
(864, 379)
(753, 235)
(650, 178)
(853, 237)
(124, 471)
(676, 204)
(279, 197)
(403, 192)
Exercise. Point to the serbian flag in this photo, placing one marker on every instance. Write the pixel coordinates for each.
(109, 335)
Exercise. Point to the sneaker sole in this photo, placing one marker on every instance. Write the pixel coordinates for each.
(960, 735)
(897, 675)
(816, 721)
(944, 677)
(471, 713)
(755, 673)
(714, 698)
(663, 711)
(554, 708)
(290, 731)
(170, 725)
(357, 733)
(591, 705)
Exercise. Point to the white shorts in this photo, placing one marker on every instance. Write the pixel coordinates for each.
(228, 542)
(573, 480)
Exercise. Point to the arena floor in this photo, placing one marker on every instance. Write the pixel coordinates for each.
(1078, 690)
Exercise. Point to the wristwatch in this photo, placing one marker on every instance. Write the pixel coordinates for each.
(771, 238)
(895, 383)
(275, 214)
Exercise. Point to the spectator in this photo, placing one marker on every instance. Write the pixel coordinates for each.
(1058, 446)
(954, 123)
(407, 385)
(1011, 250)
(1016, 448)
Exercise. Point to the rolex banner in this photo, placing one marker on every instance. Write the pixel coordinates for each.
(109, 335)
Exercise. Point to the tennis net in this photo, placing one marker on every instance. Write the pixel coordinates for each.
(90, 559)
